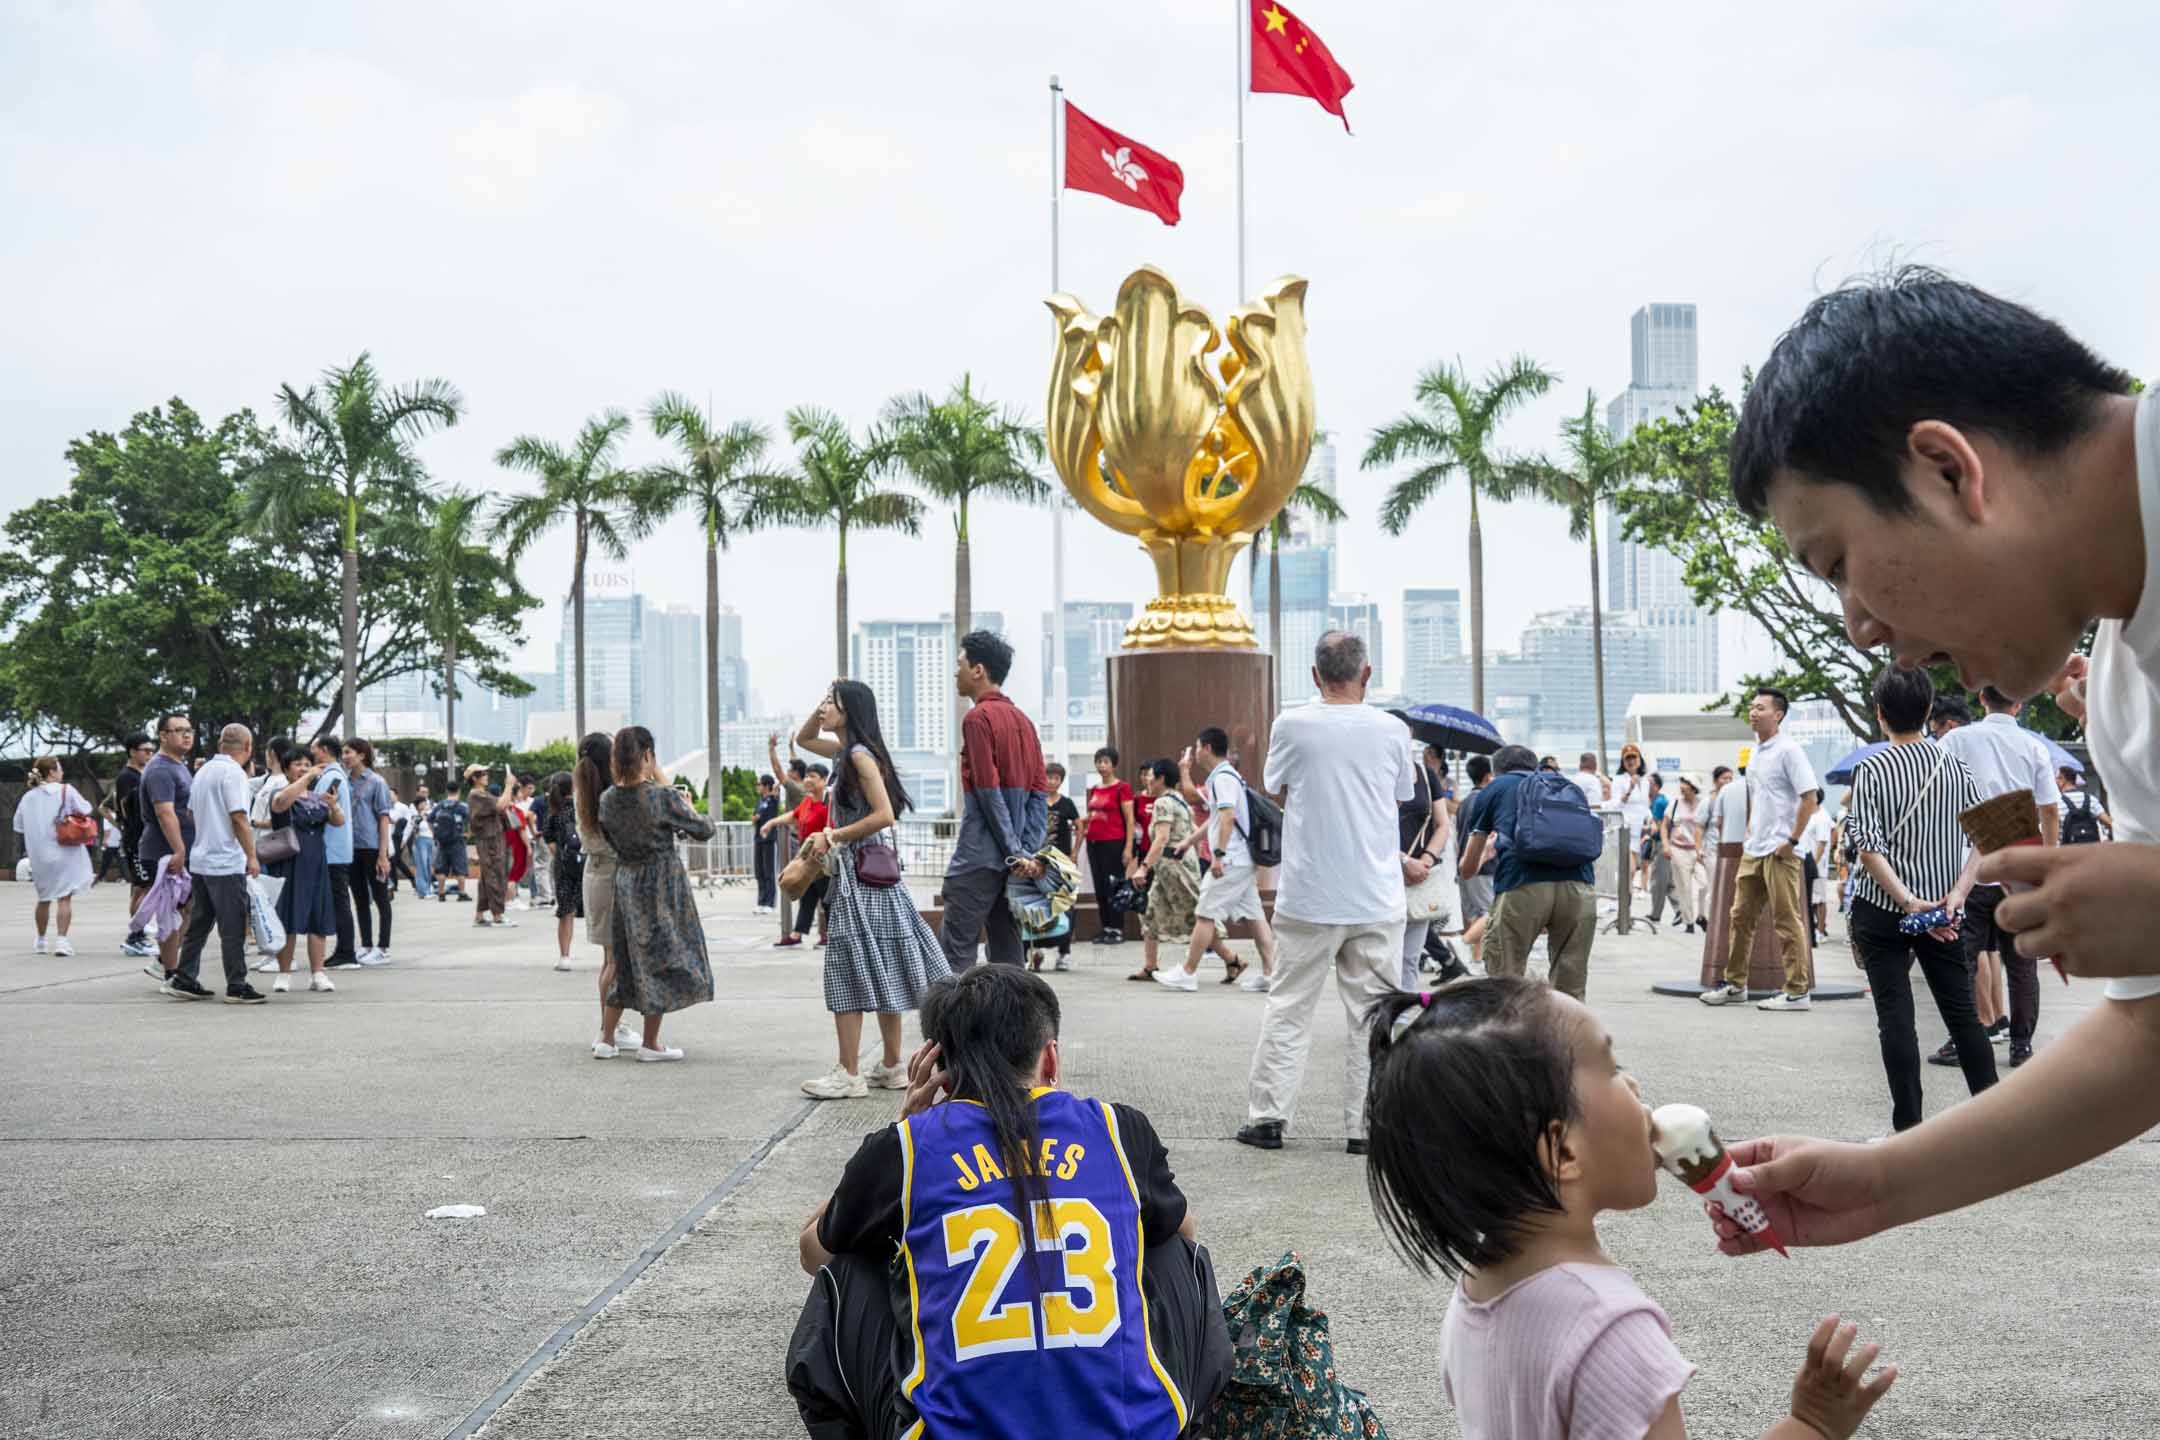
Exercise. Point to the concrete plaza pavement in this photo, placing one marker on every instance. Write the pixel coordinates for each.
(215, 1213)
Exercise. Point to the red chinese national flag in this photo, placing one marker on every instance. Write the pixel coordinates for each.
(1288, 59)
(1099, 159)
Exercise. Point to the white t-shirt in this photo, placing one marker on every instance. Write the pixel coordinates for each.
(1225, 791)
(1592, 787)
(2122, 695)
(1778, 774)
(1342, 771)
(1816, 834)
(1728, 814)
(221, 787)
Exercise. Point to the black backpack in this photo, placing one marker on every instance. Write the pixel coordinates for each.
(1264, 839)
(2080, 823)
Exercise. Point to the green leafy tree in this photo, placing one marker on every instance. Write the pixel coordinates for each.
(1597, 468)
(1454, 433)
(350, 437)
(715, 468)
(835, 483)
(585, 486)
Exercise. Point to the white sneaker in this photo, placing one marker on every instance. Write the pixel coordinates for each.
(521, 905)
(63, 946)
(373, 958)
(628, 1040)
(563, 963)
(836, 1084)
(39, 948)
(155, 969)
(601, 1050)
(1256, 983)
(267, 962)
(1787, 1002)
(320, 983)
(665, 1052)
(886, 1077)
(1727, 994)
(282, 985)
(1177, 977)
(506, 923)
(1064, 962)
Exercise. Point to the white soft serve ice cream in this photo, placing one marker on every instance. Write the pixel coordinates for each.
(1682, 1132)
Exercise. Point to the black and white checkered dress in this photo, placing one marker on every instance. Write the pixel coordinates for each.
(879, 955)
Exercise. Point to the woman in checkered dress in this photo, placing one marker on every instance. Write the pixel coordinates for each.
(880, 956)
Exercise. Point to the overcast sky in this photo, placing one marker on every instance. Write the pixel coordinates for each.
(562, 207)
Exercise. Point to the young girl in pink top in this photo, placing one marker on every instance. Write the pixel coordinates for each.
(1501, 1125)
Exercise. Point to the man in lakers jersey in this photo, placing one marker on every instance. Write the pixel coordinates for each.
(1008, 1260)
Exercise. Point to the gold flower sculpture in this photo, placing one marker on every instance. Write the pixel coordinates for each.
(1193, 459)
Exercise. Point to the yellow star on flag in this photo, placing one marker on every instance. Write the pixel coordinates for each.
(1275, 21)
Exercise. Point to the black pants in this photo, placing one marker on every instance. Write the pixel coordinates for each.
(219, 900)
(366, 883)
(341, 910)
(975, 909)
(1106, 865)
(2021, 973)
(1888, 955)
(767, 865)
(806, 908)
(852, 1345)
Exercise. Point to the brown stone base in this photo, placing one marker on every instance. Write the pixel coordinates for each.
(1766, 966)
(1158, 700)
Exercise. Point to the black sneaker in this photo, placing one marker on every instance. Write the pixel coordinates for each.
(246, 995)
(1261, 1134)
(2019, 1054)
(1999, 1032)
(463, 898)
(182, 987)
(342, 962)
(1946, 1056)
(1353, 1146)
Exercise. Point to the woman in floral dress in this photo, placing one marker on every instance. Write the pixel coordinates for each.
(659, 947)
(1173, 881)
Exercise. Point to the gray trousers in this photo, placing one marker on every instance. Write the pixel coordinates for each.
(975, 909)
(219, 900)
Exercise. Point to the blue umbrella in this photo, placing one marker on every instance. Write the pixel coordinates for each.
(1841, 773)
(1451, 728)
(2064, 760)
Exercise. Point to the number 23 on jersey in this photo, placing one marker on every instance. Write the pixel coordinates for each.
(988, 1236)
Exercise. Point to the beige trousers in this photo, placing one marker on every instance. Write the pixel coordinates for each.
(1365, 960)
(1686, 866)
(1776, 883)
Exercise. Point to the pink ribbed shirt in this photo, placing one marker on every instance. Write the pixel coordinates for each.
(1576, 1352)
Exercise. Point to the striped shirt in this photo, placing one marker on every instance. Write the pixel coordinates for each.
(1922, 841)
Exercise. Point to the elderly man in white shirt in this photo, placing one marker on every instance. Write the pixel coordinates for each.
(1342, 768)
(1780, 799)
(2003, 756)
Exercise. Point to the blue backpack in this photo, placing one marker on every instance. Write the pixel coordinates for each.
(1554, 824)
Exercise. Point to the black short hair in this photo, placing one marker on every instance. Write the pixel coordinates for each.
(1994, 699)
(1512, 758)
(1459, 1110)
(766, 780)
(1950, 707)
(1862, 365)
(1904, 697)
(818, 770)
(1721, 770)
(1051, 767)
(1549, 762)
(1776, 697)
(988, 649)
(1164, 770)
(797, 768)
(1479, 768)
(135, 741)
(329, 742)
(1107, 752)
(1215, 738)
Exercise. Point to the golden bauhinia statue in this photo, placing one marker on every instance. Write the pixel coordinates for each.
(1193, 458)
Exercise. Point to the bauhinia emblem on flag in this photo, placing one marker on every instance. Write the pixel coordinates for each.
(1100, 160)
(1288, 59)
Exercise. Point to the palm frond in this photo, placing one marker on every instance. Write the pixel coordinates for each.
(519, 520)
(1408, 437)
(889, 510)
(1409, 494)
(413, 410)
(533, 455)
(1315, 501)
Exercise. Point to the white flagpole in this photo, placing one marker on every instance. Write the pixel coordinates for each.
(1060, 681)
(1244, 28)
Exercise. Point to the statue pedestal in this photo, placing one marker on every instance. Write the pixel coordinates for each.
(1158, 700)
(1766, 962)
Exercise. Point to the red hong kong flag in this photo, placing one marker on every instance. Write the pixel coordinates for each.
(1288, 59)
(1099, 159)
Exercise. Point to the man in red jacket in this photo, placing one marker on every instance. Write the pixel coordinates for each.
(1004, 795)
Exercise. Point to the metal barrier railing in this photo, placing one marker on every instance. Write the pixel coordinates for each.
(728, 859)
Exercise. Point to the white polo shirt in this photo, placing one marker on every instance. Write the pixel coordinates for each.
(2122, 695)
(2004, 756)
(1778, 775)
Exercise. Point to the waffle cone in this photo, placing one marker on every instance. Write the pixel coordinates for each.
(1997, 824)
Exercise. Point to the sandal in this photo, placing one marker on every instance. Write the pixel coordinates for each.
(1035, 960)
(1145, 973)
(1231, 969)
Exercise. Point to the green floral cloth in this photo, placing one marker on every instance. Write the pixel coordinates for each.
(1283, 1384)
(1174, 883)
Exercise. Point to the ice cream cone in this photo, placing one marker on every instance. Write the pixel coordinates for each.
(2009, 819)
(1689, 1148)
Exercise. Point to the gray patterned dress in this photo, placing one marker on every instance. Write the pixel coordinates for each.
(660, 960)
(879, 955)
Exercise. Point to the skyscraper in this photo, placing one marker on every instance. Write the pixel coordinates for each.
(1638, 578)
(1432, 635)
(641, 661)
(1094, 630)
(1361, 617)
(908, 665)
(1305, 592)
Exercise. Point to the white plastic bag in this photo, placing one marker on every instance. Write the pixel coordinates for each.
(262, 913)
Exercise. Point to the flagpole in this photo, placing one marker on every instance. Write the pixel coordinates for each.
(1244, 27)
(1060, 681)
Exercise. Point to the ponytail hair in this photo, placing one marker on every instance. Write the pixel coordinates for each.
(595, 759)
(991, 1023)
(633, 746)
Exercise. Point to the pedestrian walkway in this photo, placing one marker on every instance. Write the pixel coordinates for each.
(216, 1212)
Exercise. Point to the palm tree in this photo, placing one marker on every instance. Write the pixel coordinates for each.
(957, 449)
(449, 544)
(1453, 432)
(585, 486)
(1599, 468)
(1313, 501)
(351, 438)
(716, 467)
(834, 483)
